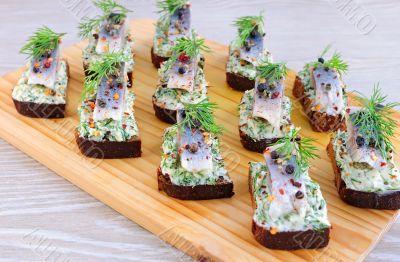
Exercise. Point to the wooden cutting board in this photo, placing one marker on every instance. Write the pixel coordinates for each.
(214, 229)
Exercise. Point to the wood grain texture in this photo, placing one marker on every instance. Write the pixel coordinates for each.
(293, 37)
(216, 229)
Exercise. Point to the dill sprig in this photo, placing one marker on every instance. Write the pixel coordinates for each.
(374, 121)
(247, 24)
(201, 114)
(108, 65)
(294, 145)
(190, 47)
(274, 72)
(42, 41)
(108, 7)
(168, 7)
(336, 62)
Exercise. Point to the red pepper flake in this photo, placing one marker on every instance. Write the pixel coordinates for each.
(336, 108)
(184, 57)
(337, 94)
(275, 95)
(281, 191)
(383, 164)
(123, 126)
(319, 75)
(348, 110)
(180, 151)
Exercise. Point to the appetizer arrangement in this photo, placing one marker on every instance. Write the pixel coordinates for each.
(41, 89)
(245, 52)
(108, 32)
(173, 24)
(289, 210)
(362, 156)
(264, 111)
(181, 78)
(320, 89)
(192, 167)
(107, 126)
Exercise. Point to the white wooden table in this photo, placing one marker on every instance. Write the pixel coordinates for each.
(45, 218)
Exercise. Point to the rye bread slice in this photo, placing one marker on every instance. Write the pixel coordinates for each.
(129, 74)
(165, 115)
(156, 59)
(390, 201)
(109, 149)
(34, 110)
(319, 121)
(239, 82)
(44, 110)
(290, 240)
(255, 145)
(223, 189)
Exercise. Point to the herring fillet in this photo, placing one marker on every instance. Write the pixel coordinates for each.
(365, 153)
(284, 191)
(110, 102)
(179, 27)
(47, 76)
(107, 43)
(268, 108)
(200, 160)
(257, 48)
(330, 99)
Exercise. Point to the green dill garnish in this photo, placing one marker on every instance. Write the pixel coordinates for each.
(247, 24)
(273, 72)
(43, 40)
(190, 47)
(168, 7)
(302, 148)
(108, 7)
(108, 65)
(374, 121)
(200, 114)
(336, 62)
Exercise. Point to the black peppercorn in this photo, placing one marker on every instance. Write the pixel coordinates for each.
(360, 141)
(262, 87)
(321, 60)
(274, 154)
(101, 103)
(289, 169)
(181, 70)
(299, 195)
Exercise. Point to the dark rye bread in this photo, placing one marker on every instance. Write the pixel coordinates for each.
(320, 122)
(239, 82)
(361, 199)
(165, 115)
(129, 74)
(255, 145)
(309, 239)
(222, 189)
(156, 59)
(109, 149)
(34, 110)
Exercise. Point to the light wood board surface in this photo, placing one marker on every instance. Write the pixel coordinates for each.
(217, 229)
(294, 37)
